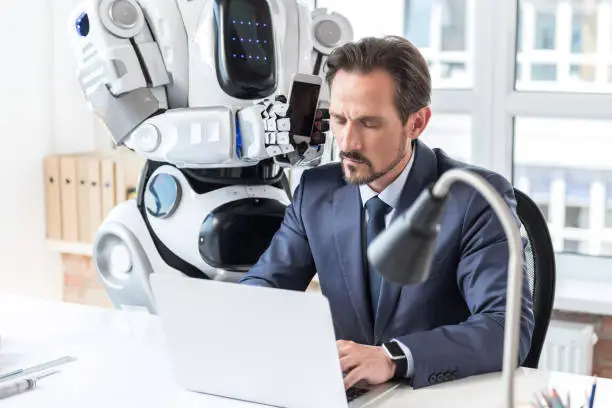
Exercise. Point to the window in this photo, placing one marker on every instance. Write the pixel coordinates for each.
(573, 246)
(451, 133)
(544, 209)
(584, 32)
(441, 29)
(454, 33)
(608, 205)
(545, 31)
(418, 29)
(543, 72)
(606, 249)
(567, 177)
(563, 47)
(577, 217)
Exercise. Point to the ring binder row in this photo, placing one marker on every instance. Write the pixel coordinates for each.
(81, 189)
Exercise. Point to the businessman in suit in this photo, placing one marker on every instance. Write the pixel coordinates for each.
(452, 325)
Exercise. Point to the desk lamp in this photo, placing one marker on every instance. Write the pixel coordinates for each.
(411, 239)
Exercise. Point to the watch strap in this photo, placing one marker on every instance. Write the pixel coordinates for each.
(401, 367)
(401, 364)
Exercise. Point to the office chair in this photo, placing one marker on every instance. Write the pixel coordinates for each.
(540, 262)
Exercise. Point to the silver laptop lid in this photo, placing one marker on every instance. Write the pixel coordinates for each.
(270, 346)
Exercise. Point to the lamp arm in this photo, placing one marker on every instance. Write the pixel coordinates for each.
(515, 271)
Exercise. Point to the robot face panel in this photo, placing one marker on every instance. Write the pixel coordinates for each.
(246, 63)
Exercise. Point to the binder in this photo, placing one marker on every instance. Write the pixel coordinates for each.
(95, 194)
(108, 186)
(120, 181)
(127, 175)
(53, 210)
(84, 200)
(68, 194)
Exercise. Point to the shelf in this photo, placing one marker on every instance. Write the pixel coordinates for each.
(74, 248)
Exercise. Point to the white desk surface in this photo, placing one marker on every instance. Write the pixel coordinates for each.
(122, 363)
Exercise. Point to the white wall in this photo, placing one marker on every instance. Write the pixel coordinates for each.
(26, 129)
(41, 112)
(74, 126)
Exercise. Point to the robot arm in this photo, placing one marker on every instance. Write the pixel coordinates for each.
(150, 77)
(121, 69)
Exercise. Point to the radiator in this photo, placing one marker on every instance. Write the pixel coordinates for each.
(569, 348)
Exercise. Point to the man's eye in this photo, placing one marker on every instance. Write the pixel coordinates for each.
(340, 121)
(370, 124)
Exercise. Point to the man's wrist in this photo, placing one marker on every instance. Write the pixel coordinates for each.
(397, 356)
(392, 367)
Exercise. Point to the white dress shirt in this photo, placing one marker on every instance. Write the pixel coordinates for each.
(390, 196)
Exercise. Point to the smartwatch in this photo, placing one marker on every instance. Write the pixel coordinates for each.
(395, 353)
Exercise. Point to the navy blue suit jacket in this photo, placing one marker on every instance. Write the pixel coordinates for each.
(453, 323)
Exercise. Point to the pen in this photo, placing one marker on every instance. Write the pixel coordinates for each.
(34, 369)
(592, 398)
(557, 399)
(16, 387)
(547, 401)
(20, 386)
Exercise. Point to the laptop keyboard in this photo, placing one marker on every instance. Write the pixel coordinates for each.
(355, 392)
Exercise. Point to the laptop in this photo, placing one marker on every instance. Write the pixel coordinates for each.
(268, 346)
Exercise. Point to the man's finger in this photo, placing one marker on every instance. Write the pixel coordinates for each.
(348, 362)
(343, 347)
(353, 377)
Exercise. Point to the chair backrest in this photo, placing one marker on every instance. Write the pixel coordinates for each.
(540, 262)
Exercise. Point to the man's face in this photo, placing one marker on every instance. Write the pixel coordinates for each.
(365, 122)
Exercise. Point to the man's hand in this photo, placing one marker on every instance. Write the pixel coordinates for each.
(364, 363)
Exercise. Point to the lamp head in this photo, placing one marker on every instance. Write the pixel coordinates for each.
(404, 251)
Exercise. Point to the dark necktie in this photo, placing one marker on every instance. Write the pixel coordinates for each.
(377, 210)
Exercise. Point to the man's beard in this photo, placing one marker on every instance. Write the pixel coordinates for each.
(351, 175)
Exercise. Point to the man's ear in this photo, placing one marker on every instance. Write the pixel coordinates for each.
(418, 122)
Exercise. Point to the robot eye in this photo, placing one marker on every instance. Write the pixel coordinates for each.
(162, 196)
(82, 25)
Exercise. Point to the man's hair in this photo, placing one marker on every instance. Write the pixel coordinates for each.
(395, 55)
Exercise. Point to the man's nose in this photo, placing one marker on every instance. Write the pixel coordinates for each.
(350, 139)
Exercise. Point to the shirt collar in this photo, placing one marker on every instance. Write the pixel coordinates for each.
(391, 194)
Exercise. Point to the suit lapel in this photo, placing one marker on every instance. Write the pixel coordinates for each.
(347, 210)
(423, 172)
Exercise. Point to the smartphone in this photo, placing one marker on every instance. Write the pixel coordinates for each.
(303, 102)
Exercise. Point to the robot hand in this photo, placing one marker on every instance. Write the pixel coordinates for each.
(289, 149)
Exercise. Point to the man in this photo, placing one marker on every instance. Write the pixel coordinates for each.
(452, 325)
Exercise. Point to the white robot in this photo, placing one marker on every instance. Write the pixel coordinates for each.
(197, 87)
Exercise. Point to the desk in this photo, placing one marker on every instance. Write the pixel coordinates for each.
(122, 363)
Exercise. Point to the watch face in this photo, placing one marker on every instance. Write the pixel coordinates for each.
(394, 349)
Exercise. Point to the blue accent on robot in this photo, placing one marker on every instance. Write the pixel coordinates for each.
(82, 24)
(238, 139)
